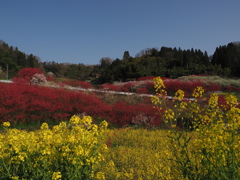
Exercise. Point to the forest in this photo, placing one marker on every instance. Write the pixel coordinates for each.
(165, 62)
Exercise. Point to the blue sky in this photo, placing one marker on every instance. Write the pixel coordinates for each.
(84, 31)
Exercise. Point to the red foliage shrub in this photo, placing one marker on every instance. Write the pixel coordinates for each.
(230, 89)
(129, 86)
(123, 113)
(149, 85)
(213, 87)
(110, 87)
(50, 78)
(123, 89)
(142, 90)
(221, 100)
(24, 103)
(24, 75)
(187, 86)
(85, 84)
(30, 103)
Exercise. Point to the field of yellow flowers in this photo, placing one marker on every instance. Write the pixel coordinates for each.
(198, 141)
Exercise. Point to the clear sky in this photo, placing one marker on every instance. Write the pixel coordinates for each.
(84, 31)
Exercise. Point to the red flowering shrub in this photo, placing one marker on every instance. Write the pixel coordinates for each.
(187, 86)
(150, 87)
(142, 91)
(84, 84)
(25, 75)
(129, 86)
(213, 87)
(50, 78)
(123, 89)
(230, 89)
(124, 114)
(110, 87)
(22, 103)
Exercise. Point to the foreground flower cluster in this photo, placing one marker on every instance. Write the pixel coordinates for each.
(68, 151)
(200, 141)
(212, 149)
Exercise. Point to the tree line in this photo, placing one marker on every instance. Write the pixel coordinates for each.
(165, 62)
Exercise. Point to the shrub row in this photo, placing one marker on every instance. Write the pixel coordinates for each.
(22, 103)
(172, 85)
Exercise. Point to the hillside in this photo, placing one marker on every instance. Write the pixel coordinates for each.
(165, 62)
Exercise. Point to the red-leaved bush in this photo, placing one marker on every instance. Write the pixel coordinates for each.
(125, 114)
(25, 75)
(22, 103)
(129, 86)
(142, 90)
(50, 78)
(187, 86)
(110, 87)
(213, 87)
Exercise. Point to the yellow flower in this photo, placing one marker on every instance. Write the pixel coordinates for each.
(179, 95)
(213, 101)
(44, 126)
(231, 100)
(155, 100)
(15, 177)
(74, 120)
(183, 105)
(103, 125)
(169, 114)
(6, 124)
(159, 86)
(56, 176)
(198, 91)
(100, 175)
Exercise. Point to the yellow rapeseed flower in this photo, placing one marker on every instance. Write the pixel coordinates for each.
(159, 86)
(169, 114)
(213, 101)
(197, 92)
(6, 124)
(179, 95)
(56, 176)
(100, 176)
(74, 120)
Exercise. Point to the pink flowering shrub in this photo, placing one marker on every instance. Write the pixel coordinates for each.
(38, 79)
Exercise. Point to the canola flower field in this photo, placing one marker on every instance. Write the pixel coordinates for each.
(197, 142)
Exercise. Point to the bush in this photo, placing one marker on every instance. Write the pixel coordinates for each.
(38, 79)
(142, 90)
(25, 75)
(67, 151)
(211, 151)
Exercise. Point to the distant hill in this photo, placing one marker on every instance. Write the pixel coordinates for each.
(165, 62)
